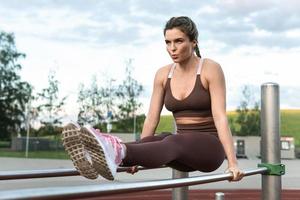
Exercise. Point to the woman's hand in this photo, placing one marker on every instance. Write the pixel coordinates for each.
(236, 172)
(133, 169)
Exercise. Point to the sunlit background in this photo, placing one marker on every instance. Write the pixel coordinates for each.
(254, 41)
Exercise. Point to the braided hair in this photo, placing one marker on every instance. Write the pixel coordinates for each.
(187, 26)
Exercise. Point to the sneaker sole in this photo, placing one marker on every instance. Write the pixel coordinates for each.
(96, 152)
(75, 149)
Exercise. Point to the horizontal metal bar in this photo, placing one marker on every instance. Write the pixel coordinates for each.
(117, 188)
(46, 173)
(12, 175)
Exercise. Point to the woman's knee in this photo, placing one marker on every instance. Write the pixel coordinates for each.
(154, 138)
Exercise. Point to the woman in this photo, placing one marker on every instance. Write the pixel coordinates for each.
(194, 90)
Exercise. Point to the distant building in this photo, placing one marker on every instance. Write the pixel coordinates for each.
(288, 147)
(249, 147)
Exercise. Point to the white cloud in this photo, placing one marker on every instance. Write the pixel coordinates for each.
(208, 10)
(245, 6)
(293, 33)
(261, 33)
(83, 38)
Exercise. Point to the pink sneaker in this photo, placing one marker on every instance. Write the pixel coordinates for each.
(104, 149)
(71, 139)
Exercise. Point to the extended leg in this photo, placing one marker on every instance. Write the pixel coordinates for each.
(153, 154)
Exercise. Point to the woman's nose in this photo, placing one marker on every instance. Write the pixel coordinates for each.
(173, 46)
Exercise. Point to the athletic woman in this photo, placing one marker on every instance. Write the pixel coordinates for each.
(193, 89)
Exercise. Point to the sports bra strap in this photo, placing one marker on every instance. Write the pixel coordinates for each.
(200, 66)
(172, 70)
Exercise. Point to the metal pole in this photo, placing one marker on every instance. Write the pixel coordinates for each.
(77, 192)
(134, 116)
(28, 128)
(182, 192)
(134, 124)
(270, 139)
(109, 112)
(219, 196)
(46, 173)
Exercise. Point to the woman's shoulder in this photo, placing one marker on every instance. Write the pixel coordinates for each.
(161, 75)
(211, 68)
(211, 64)
(165, 68)
(163, 71)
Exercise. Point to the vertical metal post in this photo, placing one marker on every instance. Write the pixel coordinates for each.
(28, 128)
(219, 196)
(134, 124)
(270, 139)
(182, 192)
(109, 111)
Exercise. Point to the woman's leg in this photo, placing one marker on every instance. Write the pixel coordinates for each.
(180, 166)
(173, 164)
(152, 154)
(185, 152)
(203, 151)
(156, 137)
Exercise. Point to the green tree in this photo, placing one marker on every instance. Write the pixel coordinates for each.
(248, 119)
(90, 104)
(128, 104)
(14, 93)
(50, 106)
(95, 102)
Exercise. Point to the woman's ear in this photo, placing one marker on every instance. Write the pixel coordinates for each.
(195, 42)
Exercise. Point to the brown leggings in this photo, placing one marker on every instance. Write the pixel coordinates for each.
(185, 152)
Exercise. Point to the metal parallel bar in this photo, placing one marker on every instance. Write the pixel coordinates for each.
(270, 139)
(47, 173)
(116, 188)
(13, 175)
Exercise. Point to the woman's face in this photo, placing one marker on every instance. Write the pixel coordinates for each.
(179, 45)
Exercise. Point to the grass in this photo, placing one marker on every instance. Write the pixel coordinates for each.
(289, 126)
(166, 124)
(4, 144)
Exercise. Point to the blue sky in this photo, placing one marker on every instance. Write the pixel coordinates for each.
(254, 41)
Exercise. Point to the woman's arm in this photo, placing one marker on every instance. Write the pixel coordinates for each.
(155, 108)
(156, 103)
(216, 83)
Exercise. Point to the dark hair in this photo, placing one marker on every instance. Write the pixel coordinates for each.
(187, 26)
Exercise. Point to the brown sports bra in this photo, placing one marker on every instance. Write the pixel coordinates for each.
(194, 111)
